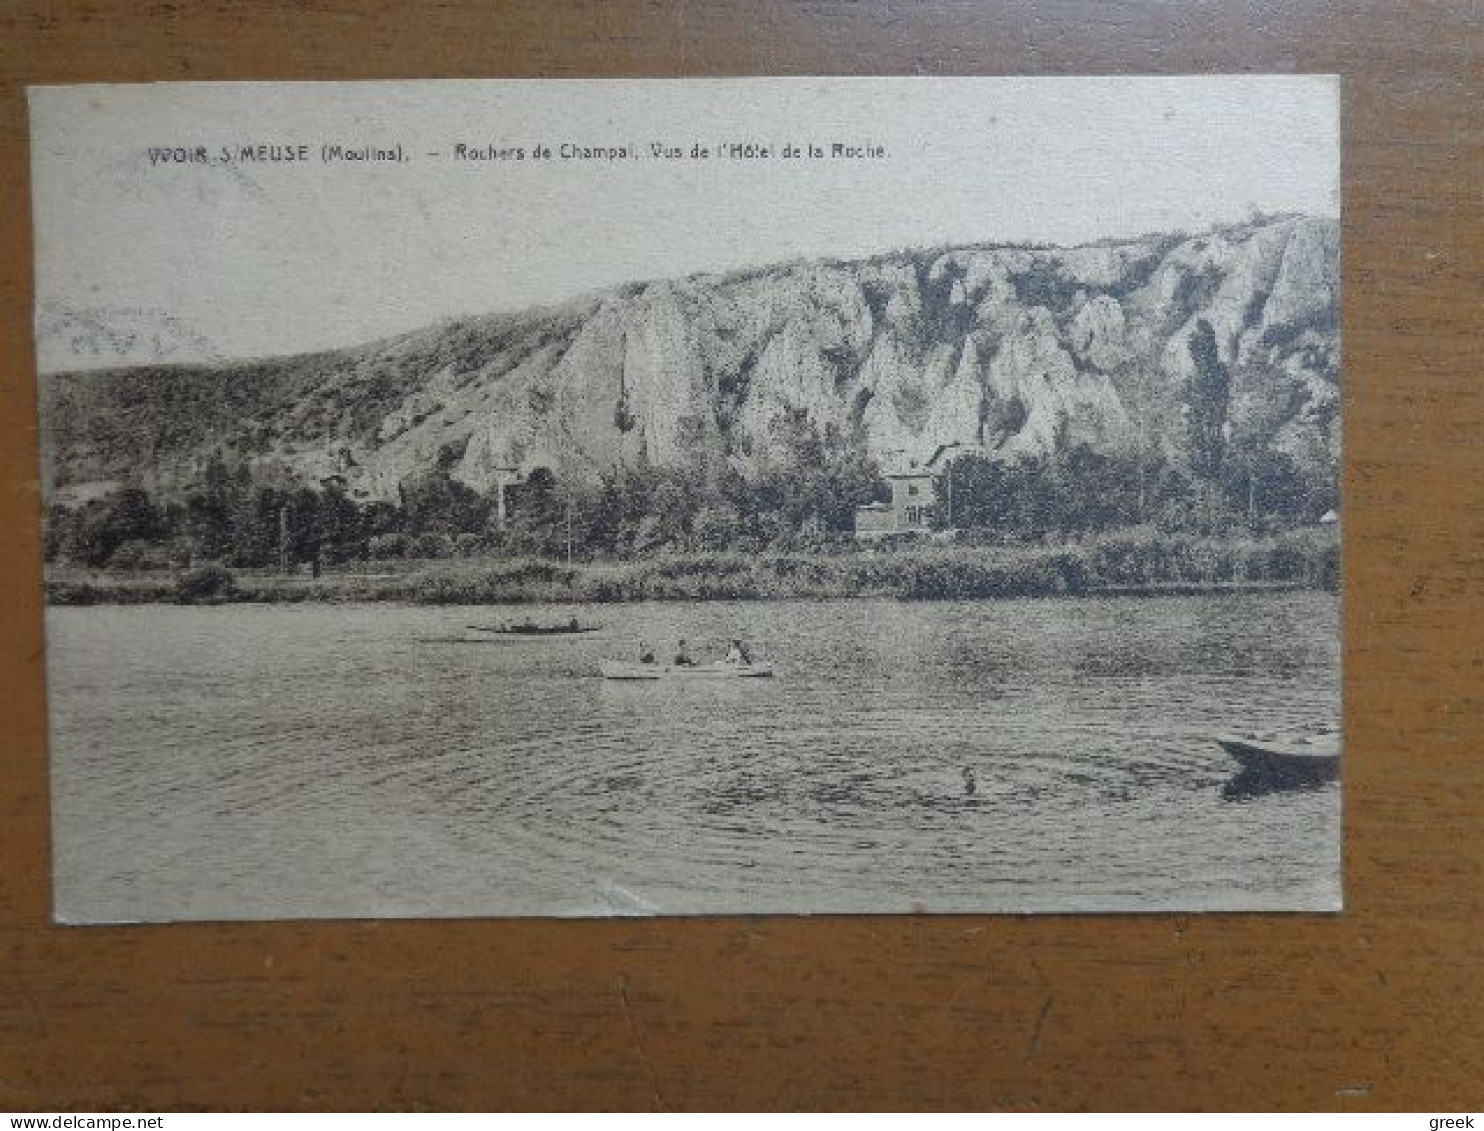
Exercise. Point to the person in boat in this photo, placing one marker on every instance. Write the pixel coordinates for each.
(682, 656)
(737, 654)
(646, 653)
(572, 625)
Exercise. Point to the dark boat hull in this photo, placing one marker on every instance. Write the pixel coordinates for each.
(1284, 764)
(531, 631)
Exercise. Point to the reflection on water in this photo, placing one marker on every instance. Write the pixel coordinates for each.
(1251, 784)
(247, 761)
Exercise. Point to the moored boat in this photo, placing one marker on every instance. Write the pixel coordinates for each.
(1299, 761)
(531, 629)
(630, 669)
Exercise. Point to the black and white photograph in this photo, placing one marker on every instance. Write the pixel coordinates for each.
(690, 497)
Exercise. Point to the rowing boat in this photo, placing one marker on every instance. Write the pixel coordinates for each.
(625, 669)
(531, 629)
(1301, 760)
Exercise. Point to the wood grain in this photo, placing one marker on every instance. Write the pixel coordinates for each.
(1381, 1007)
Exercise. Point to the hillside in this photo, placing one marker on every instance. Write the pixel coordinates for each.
(1023, 349)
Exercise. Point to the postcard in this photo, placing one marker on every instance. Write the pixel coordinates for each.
(705, 496)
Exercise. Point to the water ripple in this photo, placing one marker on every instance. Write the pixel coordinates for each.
(248, 761)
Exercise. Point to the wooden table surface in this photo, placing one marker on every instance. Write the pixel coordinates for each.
(1381, 1007)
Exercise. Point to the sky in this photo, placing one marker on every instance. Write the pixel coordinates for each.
(191, 261)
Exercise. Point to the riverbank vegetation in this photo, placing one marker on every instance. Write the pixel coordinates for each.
(805, 505)
(1144, 561)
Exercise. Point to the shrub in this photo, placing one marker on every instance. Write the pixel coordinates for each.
(73, 593)
(469, 545)
(523, 579)
(393, 545)
(204, 582)
(715, 528)
(137, 554)
(434, 544)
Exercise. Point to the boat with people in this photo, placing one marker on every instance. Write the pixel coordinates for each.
(736, 664)
(1303, 760)
(718, 669)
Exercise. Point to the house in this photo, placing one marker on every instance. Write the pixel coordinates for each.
(913, 499)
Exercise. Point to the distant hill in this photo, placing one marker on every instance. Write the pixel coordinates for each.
(113, 338)
(1022, 349)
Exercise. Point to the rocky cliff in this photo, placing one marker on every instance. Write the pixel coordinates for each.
(1020, 349)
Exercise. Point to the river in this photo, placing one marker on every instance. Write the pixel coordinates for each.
(270, 761)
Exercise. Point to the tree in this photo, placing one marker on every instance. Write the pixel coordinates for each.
(535, 523)
(339, 533)
(1208, 397)
(433, 502)
(57, 534)
(970, 494)
(209, 506)
(103, 525)
(1016, 498)
(255, 526)
(603, 511)
(1096, 491)
(301, 527)
(716, 528)
(674, 501)
(820, 478)
(1263, 483)
(624, 503)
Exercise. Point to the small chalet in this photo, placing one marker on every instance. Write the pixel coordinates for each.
(912, 498)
